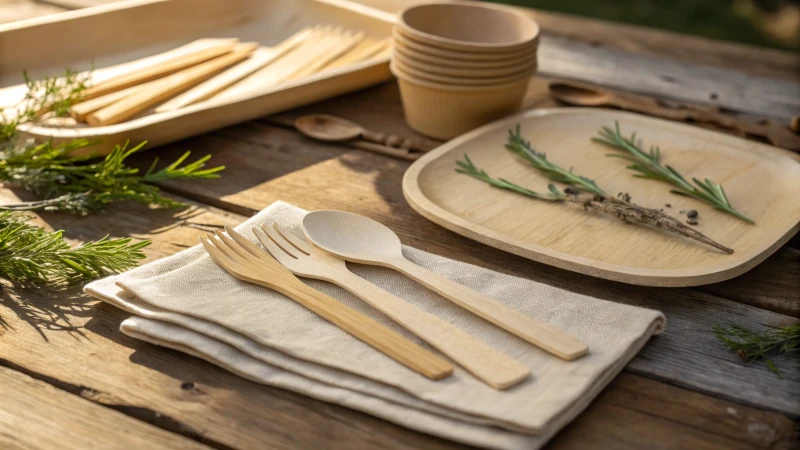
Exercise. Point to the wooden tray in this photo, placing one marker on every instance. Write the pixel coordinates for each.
(126, 31)
(762, 182)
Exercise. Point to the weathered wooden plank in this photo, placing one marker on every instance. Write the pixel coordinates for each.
(37, 415)
(670, 78)
(638, 40)
(687, 354)
(773, 284)
(74, 343)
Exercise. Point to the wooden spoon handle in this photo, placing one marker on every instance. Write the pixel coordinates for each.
(536, 332)
(493, 367)
(367, 330)
(392, 140)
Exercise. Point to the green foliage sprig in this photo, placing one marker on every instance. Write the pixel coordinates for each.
(620, 206)
(648, 165)
(753, 345)
(556, 173)
(32, 255)
(77, 184)
(80, 184)
(50, 94)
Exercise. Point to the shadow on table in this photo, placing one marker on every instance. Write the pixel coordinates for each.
(47, 309)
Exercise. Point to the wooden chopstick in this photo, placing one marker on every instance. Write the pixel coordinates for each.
(366, 49)
(162, 69)
(322, 41)
(261, 57)
(167, 87)
(344, 43)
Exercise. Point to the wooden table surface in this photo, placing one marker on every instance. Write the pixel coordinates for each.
(70, 379)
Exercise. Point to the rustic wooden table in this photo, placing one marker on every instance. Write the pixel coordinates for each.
(70, 379)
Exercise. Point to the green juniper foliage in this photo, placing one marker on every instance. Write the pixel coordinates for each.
(648, 165)
(753, 345)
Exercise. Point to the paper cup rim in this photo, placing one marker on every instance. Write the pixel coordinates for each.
(488, 47)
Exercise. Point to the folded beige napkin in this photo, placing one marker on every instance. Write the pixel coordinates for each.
(188, 303)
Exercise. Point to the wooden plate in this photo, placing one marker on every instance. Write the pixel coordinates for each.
(762, 182)
(108, 36)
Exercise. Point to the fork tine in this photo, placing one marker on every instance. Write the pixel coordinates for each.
(237, 249)
(275, 250)
(299, 244)
(244, 242)
(219, 257)
(280, 242)
(228, 250)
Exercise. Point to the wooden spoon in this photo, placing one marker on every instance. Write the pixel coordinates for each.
(359, 239)
(335, 129)
(582, 94)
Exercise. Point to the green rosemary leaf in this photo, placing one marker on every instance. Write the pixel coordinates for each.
(648, 164)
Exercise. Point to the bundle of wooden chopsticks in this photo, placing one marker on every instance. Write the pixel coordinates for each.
(220, 68)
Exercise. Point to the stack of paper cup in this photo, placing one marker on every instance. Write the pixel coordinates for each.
(461, 65)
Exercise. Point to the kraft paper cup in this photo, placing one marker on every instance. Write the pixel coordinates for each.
(444, 112)
(431, 77)
(459, 55)
(468, 27)
(527, 58)
(484, 73)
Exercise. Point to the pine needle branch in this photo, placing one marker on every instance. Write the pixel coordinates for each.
(31, 255)
(648, 165)
(753, 345)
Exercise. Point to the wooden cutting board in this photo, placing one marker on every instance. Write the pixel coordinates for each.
(761, 181)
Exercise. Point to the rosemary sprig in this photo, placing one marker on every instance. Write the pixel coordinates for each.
(620, 206)
(468, 168)
(648, 165)
(556, 173)
(753, 345)
(32, 255)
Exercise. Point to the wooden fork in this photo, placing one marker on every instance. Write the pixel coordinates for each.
(259, 268)
(493, 367)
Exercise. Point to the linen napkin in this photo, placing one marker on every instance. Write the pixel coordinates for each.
(188, 303)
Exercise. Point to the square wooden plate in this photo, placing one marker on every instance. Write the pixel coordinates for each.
(761, 181)
(110, 35)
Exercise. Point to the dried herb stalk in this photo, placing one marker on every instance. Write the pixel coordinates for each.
(620, 206)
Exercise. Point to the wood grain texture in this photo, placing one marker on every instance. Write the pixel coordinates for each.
(37, 415)
(687, 353)
(642, 41)
(73, 342)
(303, 259)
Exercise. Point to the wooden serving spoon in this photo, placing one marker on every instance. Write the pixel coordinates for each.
(335, 129)
(582, 94)
(359, 239)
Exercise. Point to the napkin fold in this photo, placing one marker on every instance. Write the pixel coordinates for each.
(188, 303)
